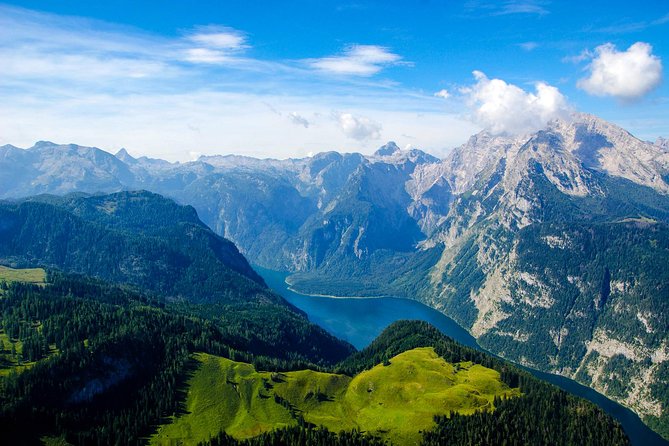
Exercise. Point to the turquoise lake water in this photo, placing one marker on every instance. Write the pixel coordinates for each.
(359, 321)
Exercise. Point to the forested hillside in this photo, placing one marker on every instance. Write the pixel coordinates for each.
(103, 364)
(138, 238)
(161, 249)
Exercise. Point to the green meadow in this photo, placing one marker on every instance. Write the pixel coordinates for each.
(29, 275)
(396, 400)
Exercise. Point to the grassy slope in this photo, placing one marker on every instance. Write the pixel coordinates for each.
(395, 401)
(29, 275)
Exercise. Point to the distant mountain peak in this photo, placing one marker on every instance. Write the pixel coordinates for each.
(390, 152)
(124, 156)
(662, 143)
(388, 149)
(43, 144)
(8, 148)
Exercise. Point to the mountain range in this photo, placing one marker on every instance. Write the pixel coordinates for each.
(551, 248)
(138, 325)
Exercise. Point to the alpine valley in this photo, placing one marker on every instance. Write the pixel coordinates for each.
(550, 248)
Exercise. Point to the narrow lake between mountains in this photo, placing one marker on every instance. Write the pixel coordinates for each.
(360, 320)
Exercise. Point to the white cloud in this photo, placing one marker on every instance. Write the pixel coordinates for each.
(443, 93)
(357, 60)
(27, 64)
(206, 56)
(298, 119)
(69, 79)
(216, 45)
(508, 7)
(582, 56)
(625, 75)
(500, 107)
(529, 46)
(523, 7)
(359, 128)
(160, 125)
(223, 38)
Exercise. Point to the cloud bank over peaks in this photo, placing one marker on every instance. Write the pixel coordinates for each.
(503, 108)
(359, 128)
(626, 75)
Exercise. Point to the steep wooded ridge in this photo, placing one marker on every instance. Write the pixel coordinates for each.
(551, 247)
(162, 249)
(135, 237)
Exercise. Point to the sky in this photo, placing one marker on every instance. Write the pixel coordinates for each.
(178, 79)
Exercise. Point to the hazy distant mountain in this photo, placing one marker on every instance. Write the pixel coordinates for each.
(550, 247)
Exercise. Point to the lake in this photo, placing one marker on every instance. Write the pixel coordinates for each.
(360, 320)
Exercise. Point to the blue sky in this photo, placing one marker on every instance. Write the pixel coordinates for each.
(177, 79)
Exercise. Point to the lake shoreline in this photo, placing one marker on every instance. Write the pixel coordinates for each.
(291, 288)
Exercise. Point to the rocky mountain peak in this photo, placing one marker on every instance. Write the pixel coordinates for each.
(8, 148)
(579, 143)
(10, 153)
(391, 153)
(662, 143)
(43, 145)
(388, 149)
(124, 156)
(603, 146)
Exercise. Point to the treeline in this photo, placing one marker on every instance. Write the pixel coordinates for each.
(299, 436)
(406, 335)
(540, 418)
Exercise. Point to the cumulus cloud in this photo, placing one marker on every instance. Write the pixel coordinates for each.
(506, 108)
(626, 75)
(298, 119)
(357, 60)
(443, 93)
(359, 128)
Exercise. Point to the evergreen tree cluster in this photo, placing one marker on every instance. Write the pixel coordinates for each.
(119, 360)
(299, 436)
